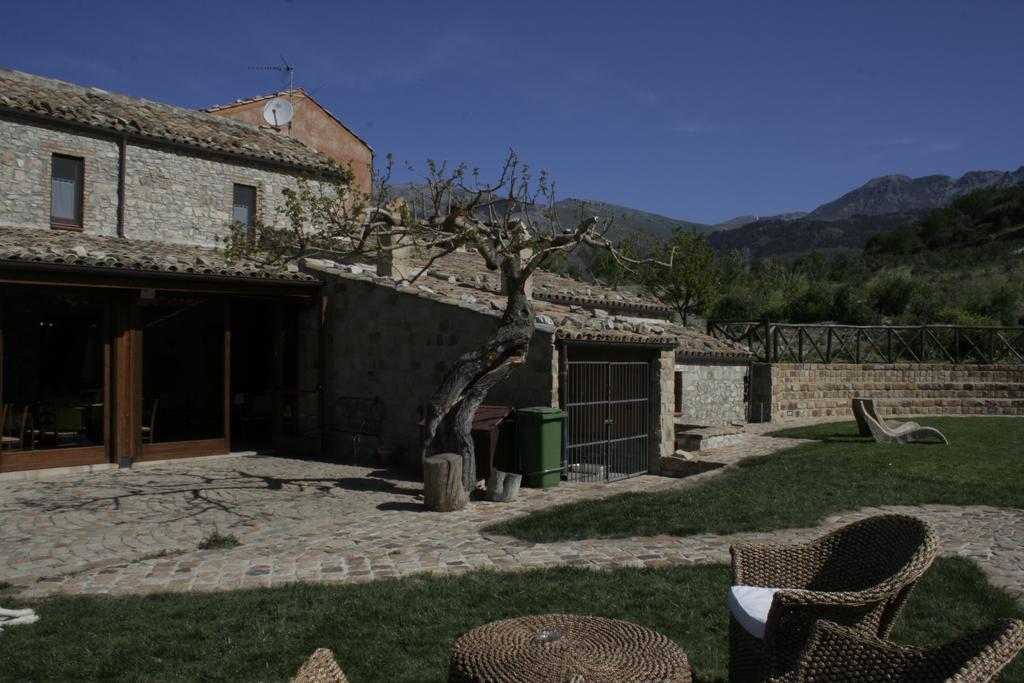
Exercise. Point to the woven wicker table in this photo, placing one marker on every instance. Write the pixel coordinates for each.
(559, 648)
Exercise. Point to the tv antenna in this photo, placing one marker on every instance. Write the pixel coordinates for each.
(286, 68)
(279, 111)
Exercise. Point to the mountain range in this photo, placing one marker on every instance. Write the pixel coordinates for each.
(902, 194)
(845, 223)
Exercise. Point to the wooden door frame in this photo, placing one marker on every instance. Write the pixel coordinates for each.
(192, 448)
(21, 460)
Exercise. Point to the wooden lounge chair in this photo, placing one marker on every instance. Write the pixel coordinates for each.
(320, 668)
(866, 406)
(883, 434)
(837, 653)
(859, 575)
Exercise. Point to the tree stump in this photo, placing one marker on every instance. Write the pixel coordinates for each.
(503, 487)
(442, 483)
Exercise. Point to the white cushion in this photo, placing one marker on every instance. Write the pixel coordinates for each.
(750, 605)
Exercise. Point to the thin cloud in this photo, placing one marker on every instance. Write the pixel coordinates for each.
(937, 147)
(894, 142)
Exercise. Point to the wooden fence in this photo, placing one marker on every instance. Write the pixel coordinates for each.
(793, 343)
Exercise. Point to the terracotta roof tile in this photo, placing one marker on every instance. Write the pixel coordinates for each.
(65, 248)
(52, 99)
(600, 314)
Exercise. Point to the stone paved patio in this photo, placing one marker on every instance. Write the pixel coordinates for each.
(310, 521)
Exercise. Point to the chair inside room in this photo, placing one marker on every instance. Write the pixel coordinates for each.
(14, 421)
(149, 421)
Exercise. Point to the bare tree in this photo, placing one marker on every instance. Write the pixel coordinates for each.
(510, 223)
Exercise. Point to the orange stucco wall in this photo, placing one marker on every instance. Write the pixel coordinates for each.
(315, 127)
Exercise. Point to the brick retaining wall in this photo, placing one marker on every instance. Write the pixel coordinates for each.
(813, 390)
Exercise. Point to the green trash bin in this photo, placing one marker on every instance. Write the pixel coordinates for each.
(540, 445)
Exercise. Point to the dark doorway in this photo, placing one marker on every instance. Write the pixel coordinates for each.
(182, 369)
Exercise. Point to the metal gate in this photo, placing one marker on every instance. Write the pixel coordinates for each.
(607, 430)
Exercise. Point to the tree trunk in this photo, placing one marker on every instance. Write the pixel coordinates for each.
(467, 383)
(503, 487)
(442, 483)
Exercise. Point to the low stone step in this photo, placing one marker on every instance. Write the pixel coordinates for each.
(697, 438)
(676, 466)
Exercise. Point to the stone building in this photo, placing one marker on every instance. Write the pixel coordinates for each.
(128, 336)
(624, 373)
(313, 125)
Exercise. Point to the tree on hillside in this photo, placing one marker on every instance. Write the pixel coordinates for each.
(690, 283)
(608, 267)
(509, 223)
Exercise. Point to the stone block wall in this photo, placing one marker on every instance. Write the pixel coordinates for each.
(173, 196)
(170, 195)
(663, 441)
(712, 392)
(398, 345)
(25, 170)
(812, 390)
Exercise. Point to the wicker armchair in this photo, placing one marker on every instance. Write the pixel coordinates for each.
(840, 653)
(320, 668)
(859, 576)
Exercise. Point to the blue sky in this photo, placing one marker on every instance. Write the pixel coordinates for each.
(696, 110)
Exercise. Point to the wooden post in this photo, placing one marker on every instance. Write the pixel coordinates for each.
(125, 413)
(442, 483)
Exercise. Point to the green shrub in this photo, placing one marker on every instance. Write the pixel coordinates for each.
(217, 540)
(891, 291)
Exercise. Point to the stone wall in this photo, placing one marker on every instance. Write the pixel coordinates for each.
(177, 197)
(712, 393)
(398, 345)
(25, 166)
(173, 196)
(812, 390)
(663, 441)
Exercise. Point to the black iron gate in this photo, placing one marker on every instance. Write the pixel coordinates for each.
(607, 431)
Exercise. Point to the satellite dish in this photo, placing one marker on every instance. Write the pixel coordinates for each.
(278, 112)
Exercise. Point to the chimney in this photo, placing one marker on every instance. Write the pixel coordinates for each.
(397, 264)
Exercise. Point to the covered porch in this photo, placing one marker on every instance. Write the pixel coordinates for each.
(101, 364)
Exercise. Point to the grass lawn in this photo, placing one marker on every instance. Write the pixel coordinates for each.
(401, 630)
(797, 487)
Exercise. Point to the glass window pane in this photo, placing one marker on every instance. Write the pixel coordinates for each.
(244, 204)
(53, 370)
(66, 189)
(64, 199)
(182, 369)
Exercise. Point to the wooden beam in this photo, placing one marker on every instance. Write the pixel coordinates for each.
(119, 278)
(125, 411)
